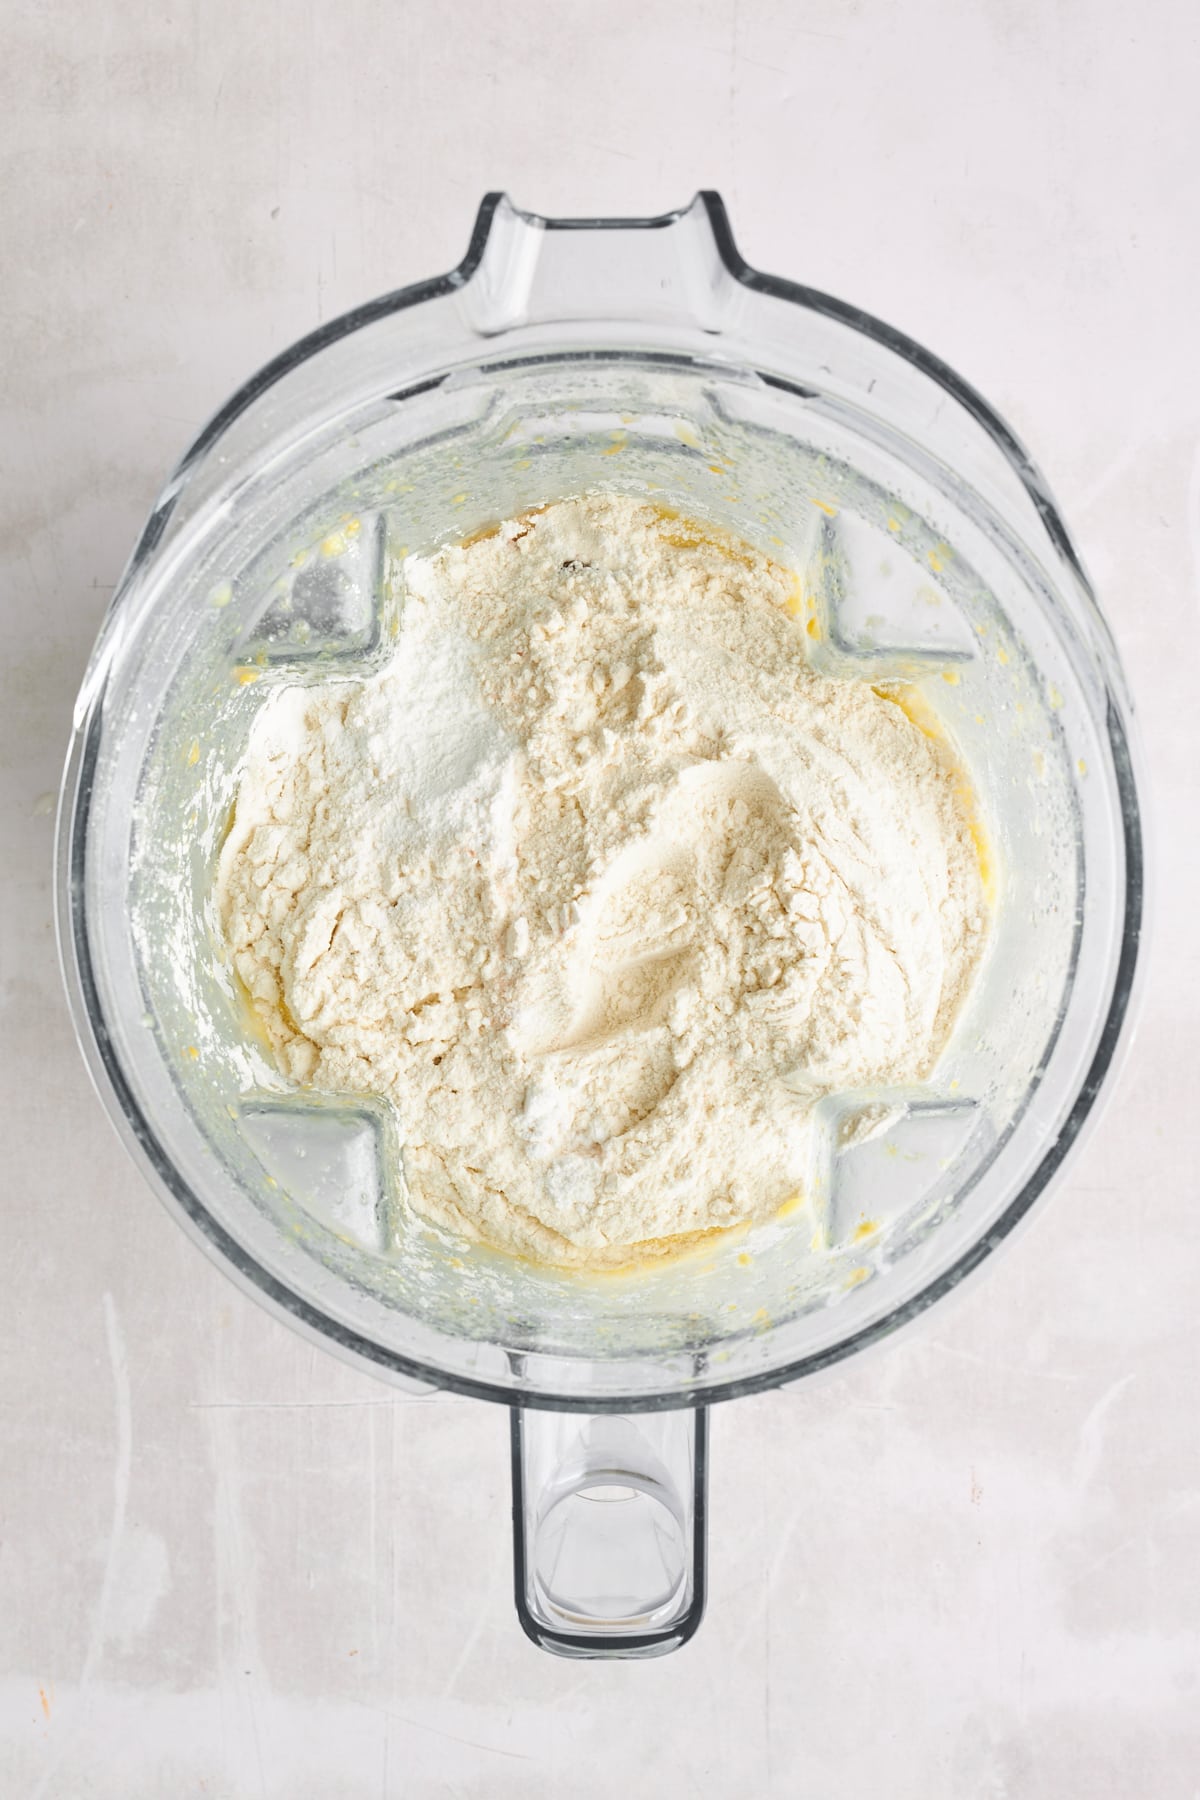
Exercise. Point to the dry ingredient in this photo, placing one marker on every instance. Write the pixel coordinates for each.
(601, 884)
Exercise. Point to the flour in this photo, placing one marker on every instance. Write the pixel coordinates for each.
(601, 884)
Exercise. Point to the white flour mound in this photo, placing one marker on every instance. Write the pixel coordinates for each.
(600, 884)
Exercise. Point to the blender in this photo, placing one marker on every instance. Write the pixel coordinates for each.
(565, 356)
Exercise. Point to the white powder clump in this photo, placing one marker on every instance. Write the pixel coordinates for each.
(601, 884)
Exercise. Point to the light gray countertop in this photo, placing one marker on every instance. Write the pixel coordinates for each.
(967, 1567)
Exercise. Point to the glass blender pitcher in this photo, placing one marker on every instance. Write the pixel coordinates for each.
(562, 356)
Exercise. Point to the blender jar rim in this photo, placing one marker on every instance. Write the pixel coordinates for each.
(79, 776)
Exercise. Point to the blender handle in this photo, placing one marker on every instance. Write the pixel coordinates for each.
(609, 1529)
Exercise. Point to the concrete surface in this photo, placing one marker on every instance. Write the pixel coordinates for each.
(229, 1567)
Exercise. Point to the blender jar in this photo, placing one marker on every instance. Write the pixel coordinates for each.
(645, 357)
